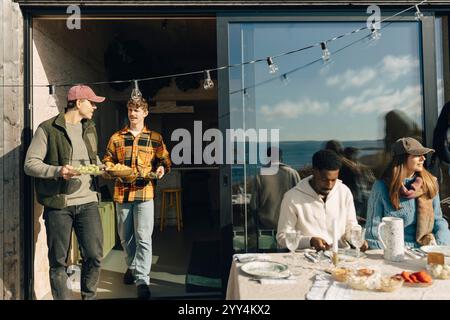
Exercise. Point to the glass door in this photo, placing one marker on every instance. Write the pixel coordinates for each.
(366, 96)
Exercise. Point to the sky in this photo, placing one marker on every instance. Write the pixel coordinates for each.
(345, 99)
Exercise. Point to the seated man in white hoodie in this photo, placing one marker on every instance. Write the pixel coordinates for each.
(313, 204)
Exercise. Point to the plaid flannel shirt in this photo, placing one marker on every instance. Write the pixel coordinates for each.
(143, 153)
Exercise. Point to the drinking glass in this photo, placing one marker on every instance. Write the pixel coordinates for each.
(357, 238)
(292, 241)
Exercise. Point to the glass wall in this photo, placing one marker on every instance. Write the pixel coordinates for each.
(441, 164)
(358, 103)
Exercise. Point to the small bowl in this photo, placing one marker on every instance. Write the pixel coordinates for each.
(390, 284)
(357, 282)
(341, 274)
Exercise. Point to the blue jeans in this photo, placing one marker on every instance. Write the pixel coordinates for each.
(135, 228)
(85, 221)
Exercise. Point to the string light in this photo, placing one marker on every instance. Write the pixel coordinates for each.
(273, 68)
(285, 79)
(136, 94)
(208, 83)
(325, 52)
(418, 14)
(51, 100)
(376, 35)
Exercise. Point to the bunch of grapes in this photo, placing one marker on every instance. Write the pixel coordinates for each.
(89, 169)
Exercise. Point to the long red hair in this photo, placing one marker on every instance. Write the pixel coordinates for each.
(396, 173)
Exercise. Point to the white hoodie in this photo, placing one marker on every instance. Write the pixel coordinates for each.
(304, 210)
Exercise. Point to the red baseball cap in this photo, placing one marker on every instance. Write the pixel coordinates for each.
(83, 92)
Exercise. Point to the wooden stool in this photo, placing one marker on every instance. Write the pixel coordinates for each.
(171, 192)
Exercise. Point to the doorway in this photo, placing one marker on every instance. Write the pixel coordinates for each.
(186, 262)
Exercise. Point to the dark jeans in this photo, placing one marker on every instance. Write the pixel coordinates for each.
(85, 220)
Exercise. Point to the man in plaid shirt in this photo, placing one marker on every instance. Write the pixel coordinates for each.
(145, 152)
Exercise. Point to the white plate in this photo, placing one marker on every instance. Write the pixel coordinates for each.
(266, 269)
(445, 250)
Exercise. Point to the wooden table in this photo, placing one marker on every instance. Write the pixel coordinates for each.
(242, 287)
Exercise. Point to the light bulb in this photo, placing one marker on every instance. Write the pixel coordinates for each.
(51, 100)
(208, 83)
(285, 79)
(273, 68)
(325, 52)
(375, 33)
(136, 93)
(418, 14)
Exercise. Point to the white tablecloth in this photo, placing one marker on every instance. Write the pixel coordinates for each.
(242, 287)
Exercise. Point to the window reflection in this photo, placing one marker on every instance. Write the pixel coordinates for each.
(441, 160)
(366, 97)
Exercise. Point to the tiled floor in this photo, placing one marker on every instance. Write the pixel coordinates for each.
(171, 254)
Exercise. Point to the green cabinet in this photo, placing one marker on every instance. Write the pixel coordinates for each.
(107, 216)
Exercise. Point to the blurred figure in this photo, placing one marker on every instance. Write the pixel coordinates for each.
(440, 162)
(408, 191)
(356, 176)
(268, 191)
(351, 153)
(397, 125)
(335, 146)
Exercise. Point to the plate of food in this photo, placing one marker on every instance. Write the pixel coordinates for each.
(439, 271)
(416, 279)
(445, 250)
(91, 169)
(391, 283)
(358, 282)
(119, 170)
(266, 269)
(341, 274)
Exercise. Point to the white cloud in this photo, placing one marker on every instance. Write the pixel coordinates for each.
(381, 100)
(293, 109)
(397, 66)
(389, 69)
(352, 78)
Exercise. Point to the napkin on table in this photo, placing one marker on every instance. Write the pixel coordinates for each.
(247, 257)
(325, 288)
(290, 280)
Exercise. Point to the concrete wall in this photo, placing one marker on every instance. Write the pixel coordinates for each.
(11, 151)
(60, 56)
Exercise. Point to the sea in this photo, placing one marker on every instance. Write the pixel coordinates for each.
(298, 154)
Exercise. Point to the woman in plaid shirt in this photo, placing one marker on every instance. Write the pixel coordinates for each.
(145, 152)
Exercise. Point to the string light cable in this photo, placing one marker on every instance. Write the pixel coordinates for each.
(269, 60)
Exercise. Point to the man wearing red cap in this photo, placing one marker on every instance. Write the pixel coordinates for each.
(69, 199)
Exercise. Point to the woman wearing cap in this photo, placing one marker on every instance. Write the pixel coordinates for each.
(408, 191)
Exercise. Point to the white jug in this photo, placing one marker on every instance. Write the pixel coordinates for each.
(391, 236)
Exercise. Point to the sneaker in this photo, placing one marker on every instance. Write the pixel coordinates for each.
(143, 292)
(128, 277)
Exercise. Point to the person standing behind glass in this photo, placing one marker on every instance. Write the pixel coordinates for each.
(408, 191)
(440, 162)
(268, 192)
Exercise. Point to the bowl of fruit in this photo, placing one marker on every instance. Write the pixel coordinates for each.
(91, 169)
(119, 171)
